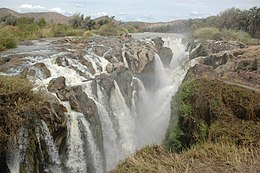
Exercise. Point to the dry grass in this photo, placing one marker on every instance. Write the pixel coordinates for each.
(208, 157)
(18, 104)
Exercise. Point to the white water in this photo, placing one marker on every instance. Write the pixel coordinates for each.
(161, 79)
(97, 159)
(125, 120)
(111, 147)
(52, 149)
(76, 162)
(15, 154)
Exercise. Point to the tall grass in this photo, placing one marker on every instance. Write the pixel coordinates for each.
(212, 33)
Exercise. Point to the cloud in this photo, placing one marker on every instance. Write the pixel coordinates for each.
(99, 14)
(28, 7)
(57, 10)
(39, 8)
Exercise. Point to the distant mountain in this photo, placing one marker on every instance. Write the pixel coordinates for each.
(49, 16)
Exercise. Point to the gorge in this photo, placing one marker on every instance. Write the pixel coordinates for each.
(105, 98)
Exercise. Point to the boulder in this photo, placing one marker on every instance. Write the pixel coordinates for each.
(45, 71)
(166, 56)
(3, 60)
(57, 84)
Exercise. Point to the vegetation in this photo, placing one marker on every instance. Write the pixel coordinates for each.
(212, 33)
(14, 30)
(221, 134)
(17, 104)
(206, 157)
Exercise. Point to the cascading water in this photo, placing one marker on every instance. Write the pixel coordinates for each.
(111, 147)
(53, 153)
(127, 125)
(125, 120)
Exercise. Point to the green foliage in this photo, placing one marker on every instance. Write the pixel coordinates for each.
(7, 40)
(201, 134)
(207, 33)
(88, 34)
(185, 109)
(42, 22)
(211, 33)
(25, 20)
(173, 137)
(229, 34)
(111, 30)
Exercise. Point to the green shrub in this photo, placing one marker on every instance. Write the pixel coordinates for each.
(111, 30)
(230, 34)
(7, 40)
(207, 33)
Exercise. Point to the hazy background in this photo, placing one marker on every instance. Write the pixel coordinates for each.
(134, 10)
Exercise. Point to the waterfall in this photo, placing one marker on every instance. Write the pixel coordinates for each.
(16, 151)
(111, 147)
(76, 162)
(52, 149)
(95, 153)
(138, 118)
(159, 70)
(125, 120)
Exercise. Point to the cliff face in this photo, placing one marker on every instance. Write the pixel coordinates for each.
(215, 115)
(85, 119)
(218, 101)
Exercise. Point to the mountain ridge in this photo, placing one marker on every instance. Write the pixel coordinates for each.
(49, 16)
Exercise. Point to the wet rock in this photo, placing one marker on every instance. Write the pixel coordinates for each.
(166, 56)
(57, 84)
(42, 67)
(158, 42)
(138, 55)
(115, 67)
(100, 50)
(3, 60)
(106, 82)
(61, 61)
(165, 53)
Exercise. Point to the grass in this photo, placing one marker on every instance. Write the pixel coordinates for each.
(207, 157)
(17, 102)
(212, 33)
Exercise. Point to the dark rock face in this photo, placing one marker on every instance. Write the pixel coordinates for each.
(57, 84)
(3, 60)
(165, 53)
(138, 55)
(166, 56)
(205, 48)
(42, 67)
(80, 102)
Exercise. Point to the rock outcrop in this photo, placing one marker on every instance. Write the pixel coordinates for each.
(165, 53)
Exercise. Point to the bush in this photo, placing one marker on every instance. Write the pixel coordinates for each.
(207, 33)
(7, 40)
(229, 34)
(88, 34)
(111, 30)
(17, 100)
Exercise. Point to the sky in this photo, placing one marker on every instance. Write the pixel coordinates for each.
(131, 10)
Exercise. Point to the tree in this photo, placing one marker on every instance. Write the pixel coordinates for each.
(9, 20)
(42, 22)
(76, 20)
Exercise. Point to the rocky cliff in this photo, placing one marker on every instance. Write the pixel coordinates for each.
(89, 88)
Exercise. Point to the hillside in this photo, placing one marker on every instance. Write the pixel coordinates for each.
(49, 16)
